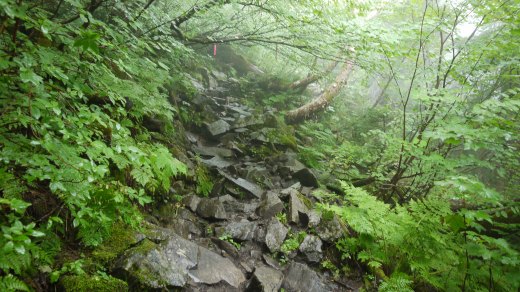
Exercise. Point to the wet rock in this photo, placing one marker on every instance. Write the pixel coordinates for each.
(297, 208)
(232, 206)
(285, 193)
(241, 111)
(296, 169)
(227, 247)
(248, 122)
(330, 229)
(212, 209)
(184, 228)
(300, 277)
(275, 235)
(220, 76)
(212, 151)
(244, 230)
(196, 84)
(256, 172)
(270, 205)
(314, 219)
(212, 268)
(192, 202)
(218, 127)
(252, 188)
(266, 279)
(192, 137)
(311, 248)
(173, 262)
(271, 262)
(306, 177)
(217, 162)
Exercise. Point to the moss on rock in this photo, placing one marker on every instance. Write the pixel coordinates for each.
(121, 238)
(92, 283)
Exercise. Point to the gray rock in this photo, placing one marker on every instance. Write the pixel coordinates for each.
(234, 207)
(196, 84)
(314, 218)
(270, 205)
(256, 172)
(311, 248)
(218, 127)
(330, 229)
(244, 230)
(212, 151)
(227, 247)
(244, 184)
(287, 191)
(217, 162)
(192, 202)
(212, 268)
(266, 279)
(184, 228)
(220, 76)
(306, 177)
(300, 277)
(271, 262)
(211, 208)
(247, 122)
(275, 235)
(297, 208)
(173, 262)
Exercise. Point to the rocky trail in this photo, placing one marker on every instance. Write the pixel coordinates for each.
(233, 239)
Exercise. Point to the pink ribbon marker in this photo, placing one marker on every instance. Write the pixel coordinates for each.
(214, 50)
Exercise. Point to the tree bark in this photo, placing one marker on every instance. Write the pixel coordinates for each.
(303, 83)
(321, 102)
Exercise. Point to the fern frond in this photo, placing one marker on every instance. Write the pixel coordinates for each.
(11, 283)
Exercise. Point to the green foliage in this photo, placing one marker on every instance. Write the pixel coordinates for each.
(416, 240)
(11, 283)
(75, 94)
(229, 238)
(293, 242)
(396, 283)
(75, 268)
(282, 217)
(204, 181)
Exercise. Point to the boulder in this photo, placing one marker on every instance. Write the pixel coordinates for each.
(275, 235)
(299, 212)
(250, 187)
(212, 151)
(192, 202)
(306, 177)
(174, 262)
(299, 277)
(270, 205)
(243, 230)
(211, 209)
(217, 162)
(311, 248)
(234, 207)
(330, 229)
(265, 279)
(218, 127)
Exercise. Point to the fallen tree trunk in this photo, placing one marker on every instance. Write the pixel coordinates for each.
(321, 102)
(303, 83)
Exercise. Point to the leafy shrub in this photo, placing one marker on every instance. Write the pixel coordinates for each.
(417, 239)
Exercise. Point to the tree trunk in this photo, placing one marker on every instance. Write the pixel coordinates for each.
(321, 102)
(303, 83)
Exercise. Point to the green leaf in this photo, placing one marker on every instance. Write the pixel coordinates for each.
(88, 41)
(27, 75)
